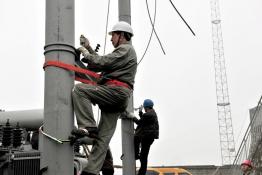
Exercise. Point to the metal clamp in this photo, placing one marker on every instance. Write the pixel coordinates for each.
(51, 137)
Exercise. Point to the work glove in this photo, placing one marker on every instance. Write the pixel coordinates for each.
(83, 50)
(84, 41)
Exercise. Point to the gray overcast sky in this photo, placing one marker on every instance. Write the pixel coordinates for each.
(181, 83)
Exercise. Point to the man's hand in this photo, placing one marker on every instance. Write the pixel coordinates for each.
(83, 50)
(127, 115)
(140, 112)
(84, 41)
(140, 108)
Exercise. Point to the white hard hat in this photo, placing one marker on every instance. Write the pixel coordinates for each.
(122, 26)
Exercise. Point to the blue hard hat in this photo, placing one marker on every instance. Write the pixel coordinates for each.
(148, 103)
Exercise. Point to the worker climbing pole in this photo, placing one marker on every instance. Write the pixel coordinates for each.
(110, 90)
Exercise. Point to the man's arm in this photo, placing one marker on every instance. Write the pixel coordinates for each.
(86, 44)
(108, 61)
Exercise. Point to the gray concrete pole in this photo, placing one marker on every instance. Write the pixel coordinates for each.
(58, 110)
(129, 163)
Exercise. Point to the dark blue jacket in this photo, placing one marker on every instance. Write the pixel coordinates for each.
(147, 125)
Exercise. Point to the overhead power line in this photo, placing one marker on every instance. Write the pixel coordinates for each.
(153, 26)
(152, 31)
(149, 41)
(182, 17)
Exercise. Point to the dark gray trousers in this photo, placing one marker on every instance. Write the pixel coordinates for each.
(112, 100)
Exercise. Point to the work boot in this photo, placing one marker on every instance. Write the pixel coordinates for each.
(72, 139)
(137, 157)
(91, 132)
(107, 171)
(85, 141)
(86, 173)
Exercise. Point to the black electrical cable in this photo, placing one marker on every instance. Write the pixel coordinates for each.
(153, 27)
(149, 41)
(153, 30)
(182, 17)
(107, 19)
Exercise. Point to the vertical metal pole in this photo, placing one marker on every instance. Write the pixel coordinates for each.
(58, 110)
(129, 163)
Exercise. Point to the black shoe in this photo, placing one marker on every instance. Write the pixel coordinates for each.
(137, 157)
(86, 173)
(79, 133)
(107, 171)
(72, 139)
(85, 141)
(91, 132)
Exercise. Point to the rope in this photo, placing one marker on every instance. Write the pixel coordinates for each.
(107, 17)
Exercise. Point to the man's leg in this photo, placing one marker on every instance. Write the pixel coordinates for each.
(83, 106)
(106, 129)
(108, 165)
(145, 147)
(112, 98)
(105, 96)
(137, 142)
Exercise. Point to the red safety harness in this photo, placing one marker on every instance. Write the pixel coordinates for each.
(84, 71)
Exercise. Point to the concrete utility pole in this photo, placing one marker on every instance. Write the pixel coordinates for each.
(129, 163)
(58, 110)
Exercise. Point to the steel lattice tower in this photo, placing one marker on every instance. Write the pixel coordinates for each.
(227, 143)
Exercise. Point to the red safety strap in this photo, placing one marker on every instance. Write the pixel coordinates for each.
(85, 80)
(71, 67)
(84, 71)
(117, 83)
